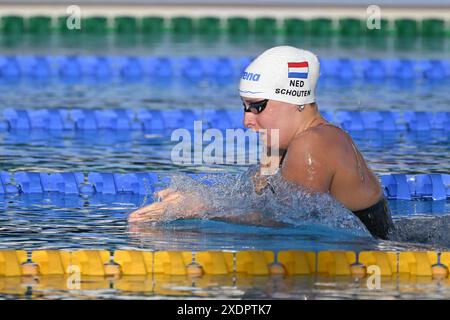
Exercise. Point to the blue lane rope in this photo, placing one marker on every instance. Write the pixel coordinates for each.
(147, 119)
(195, 69)
(434, 186)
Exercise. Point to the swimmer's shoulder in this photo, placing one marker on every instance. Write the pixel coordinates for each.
(321, 144)
(328, 130)
(313, 146)
(331, 137)
(320, 137)
(308, 162)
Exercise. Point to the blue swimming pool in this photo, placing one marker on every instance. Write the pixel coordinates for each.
(405, 149)
(418, 143)
(86, 123)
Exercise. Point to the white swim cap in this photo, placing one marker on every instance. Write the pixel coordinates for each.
(282, 73)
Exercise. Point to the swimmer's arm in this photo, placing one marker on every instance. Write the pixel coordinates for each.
(308, 164)
(155, 212)
(197, 209)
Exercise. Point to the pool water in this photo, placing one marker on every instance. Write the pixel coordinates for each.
(354, 94)
(56, 221)
(134, 151)
(227, 287)
(145, 151)
(227, 45)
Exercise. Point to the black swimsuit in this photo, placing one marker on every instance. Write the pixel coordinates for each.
(377, 219)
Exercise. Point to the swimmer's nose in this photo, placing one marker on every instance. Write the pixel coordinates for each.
(249, 120)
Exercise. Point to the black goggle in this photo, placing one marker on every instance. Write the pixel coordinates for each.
(255, 107)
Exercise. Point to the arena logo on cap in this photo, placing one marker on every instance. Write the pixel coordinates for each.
(298, 70)
(251, 76)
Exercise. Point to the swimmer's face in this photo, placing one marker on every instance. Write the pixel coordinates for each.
(276, 115)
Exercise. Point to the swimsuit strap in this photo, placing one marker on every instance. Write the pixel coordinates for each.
(282, 158)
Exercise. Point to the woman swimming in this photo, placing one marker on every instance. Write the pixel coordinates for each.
(278, 92)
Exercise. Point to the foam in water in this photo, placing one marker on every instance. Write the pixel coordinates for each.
(230, 198)
(425, 230)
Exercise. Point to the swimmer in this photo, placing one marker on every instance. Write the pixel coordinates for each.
(278, 92)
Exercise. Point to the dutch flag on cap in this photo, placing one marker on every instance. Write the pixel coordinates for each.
(298, 70)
